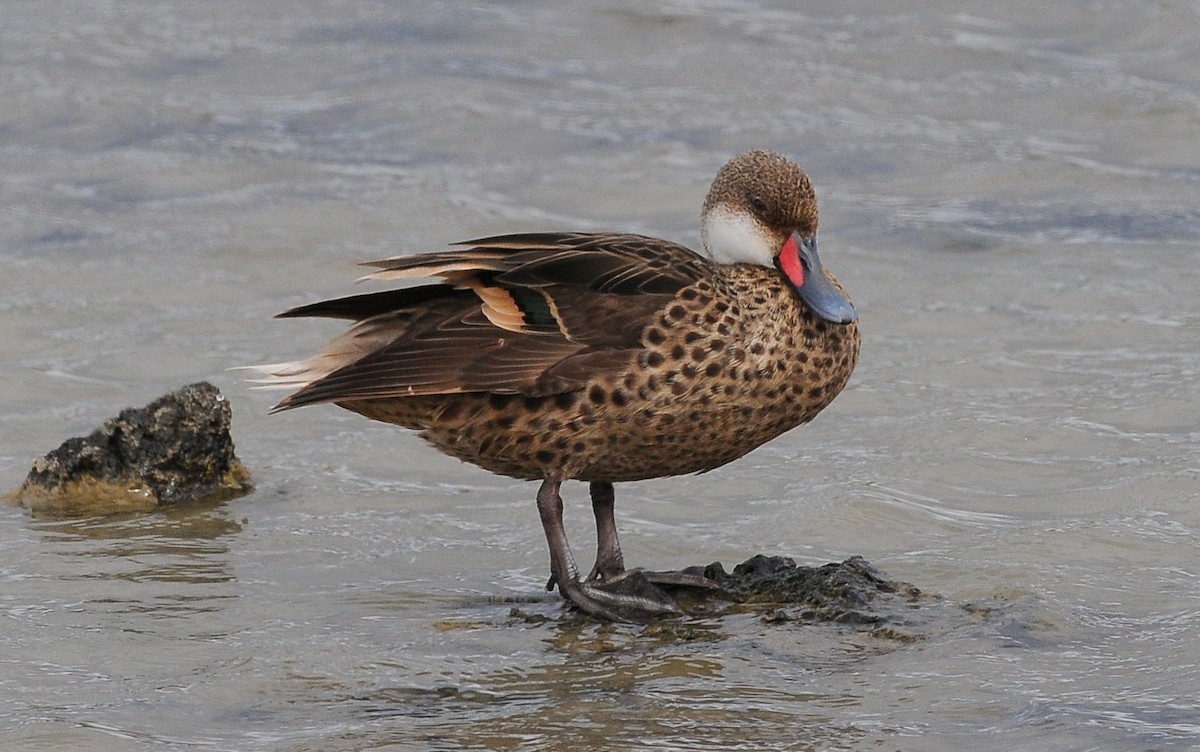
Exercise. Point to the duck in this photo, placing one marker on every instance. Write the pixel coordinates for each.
(601, 357)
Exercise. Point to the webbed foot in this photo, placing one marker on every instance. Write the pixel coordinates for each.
(610, 591)
(629, 597)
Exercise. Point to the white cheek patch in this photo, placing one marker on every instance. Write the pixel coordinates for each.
(735, 237)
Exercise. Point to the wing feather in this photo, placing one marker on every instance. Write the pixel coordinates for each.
(530, 314)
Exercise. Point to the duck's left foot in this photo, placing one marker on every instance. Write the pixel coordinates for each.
(629, 598)
(640, 592)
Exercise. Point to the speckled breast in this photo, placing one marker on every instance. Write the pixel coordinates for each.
(728, 365)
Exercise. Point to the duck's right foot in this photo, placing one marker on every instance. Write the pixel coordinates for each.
(691, 577)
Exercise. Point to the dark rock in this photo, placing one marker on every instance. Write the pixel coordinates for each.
(176, 449)
(852, 597)
(852, 593)
(832, 592)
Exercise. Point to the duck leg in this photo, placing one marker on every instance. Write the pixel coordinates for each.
(610, 564)
(635, 600)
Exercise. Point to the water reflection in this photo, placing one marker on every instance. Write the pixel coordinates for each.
(607, 687)
(199, 523)
(185, 545)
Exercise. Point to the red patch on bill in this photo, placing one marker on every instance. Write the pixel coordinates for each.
(789, 261)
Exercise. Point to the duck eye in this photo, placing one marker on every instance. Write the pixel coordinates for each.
(758, 204)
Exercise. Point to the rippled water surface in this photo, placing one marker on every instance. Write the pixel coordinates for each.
(1009, 190)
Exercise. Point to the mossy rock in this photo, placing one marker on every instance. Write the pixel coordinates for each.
(176, 449)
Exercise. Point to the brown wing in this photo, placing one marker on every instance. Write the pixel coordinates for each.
(516, 314)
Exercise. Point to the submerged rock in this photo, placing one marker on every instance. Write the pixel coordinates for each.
(175, 449)
(852, 596)
(850, 592)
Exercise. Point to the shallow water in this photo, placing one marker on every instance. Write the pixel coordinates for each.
(1010, 192)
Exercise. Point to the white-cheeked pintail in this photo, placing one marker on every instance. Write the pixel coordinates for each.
(602, 357)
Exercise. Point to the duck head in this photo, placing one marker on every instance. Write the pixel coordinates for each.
(762, 209)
